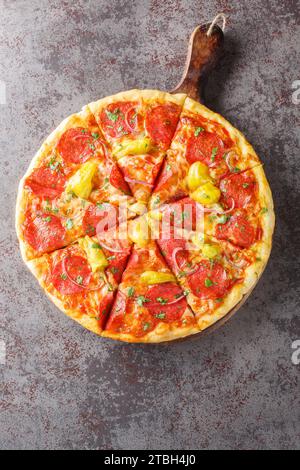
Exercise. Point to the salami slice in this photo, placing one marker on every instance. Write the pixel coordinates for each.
(115, 320)
(161, 122)
(238, 230)
(119, 119)
(116, 179)
(76, 145)
(44, 232)
(239, 188)
(210, 281)
(205, 147)
(71, 275)
(166, 301)
(104, 213)
(46, 183)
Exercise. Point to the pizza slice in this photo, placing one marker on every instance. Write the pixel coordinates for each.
(82, 278)
(139, 124)
(70, 179)
(214, 274)
(150, 306)
(205, 149)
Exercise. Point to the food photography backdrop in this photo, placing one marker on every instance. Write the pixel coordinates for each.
(62, 387)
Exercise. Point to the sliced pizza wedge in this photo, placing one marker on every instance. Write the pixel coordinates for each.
(82, 278)
(215, 274)
(205, 149)
(150, 305)
(70, 178)
(139, 124)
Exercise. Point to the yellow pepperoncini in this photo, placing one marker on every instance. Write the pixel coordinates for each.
(206, 194)
(81, 182)
(139, 232)
(153, 277)
(132, 147)
(198, 175)
(94, 253)
(210, 251)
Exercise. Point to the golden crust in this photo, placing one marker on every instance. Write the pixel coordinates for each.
(137, 95)
(162, 332)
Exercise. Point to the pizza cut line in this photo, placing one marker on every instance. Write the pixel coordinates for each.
(145, 217)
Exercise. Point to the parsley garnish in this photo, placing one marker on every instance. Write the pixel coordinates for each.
(63, 276)
(198, 130)
(161, 300)
(79, 280)
(141, 300)
(160, 315)
(130, 292)
(69, 224)
(208, 282)
(113, 116)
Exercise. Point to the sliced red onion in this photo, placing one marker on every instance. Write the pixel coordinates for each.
(216, 211)
(174, 255)
(134, 181)
(158, 304)
(82, 286)
(127, 121)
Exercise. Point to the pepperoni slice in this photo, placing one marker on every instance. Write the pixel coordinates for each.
(104, 308)
(76, 145)
(161, 122)
(44, 232)
(166, 301)
(105, 213)
(71, 275)
(46, 183)
(204, 147)
(119, 119)
(209, 281)
(174, 250)
(116, 179)
(238, 230)
(115, 320)
(240, 188)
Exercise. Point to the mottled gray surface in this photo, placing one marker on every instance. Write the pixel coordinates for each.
(63, 387)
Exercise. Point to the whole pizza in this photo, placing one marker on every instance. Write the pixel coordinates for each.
(145, 217)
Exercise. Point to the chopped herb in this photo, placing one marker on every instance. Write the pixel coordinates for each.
(223, 219)
(168, 168)
(264, 210)
(83, 131)
(92, 146)
(96, 245)
(79, 280)
(161, 300)
(64, 276)
(130, 292)
(69, 224)
(141, 300)
(208, 282)
(198, 130)
(100, 205)
(95, 135)
(160, 315)
(214, 153)
(48, 219)
(219, 300)
(245, 185)
(114, 270)
(113, 116)
(157, 200)
(146, 326)
(111, 258)
(235, 170)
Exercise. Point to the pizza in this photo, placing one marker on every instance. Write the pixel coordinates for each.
(145, 217)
